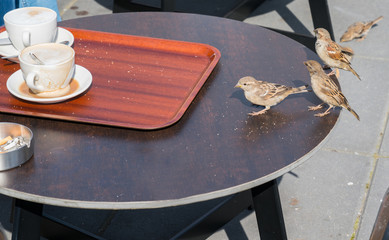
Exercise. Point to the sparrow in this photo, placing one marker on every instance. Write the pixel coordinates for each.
(331, 53)
(359, 30)
(326, 89)
(264, 93)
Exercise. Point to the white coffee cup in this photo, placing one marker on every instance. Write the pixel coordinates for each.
(30, 25)
(52, 78)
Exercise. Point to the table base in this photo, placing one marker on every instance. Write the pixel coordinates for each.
(267, 205)
(30, 221)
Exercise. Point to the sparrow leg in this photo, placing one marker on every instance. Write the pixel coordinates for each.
(260, 112)
(334, 72)
(324, 113)
(314, 108)
(361, 38)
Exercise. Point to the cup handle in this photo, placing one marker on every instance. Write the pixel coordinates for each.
(30, 81)
(26, 38)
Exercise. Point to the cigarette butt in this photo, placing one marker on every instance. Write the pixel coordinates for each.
(5, 140)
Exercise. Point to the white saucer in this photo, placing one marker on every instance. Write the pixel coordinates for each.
(9, 50)
(82, 75)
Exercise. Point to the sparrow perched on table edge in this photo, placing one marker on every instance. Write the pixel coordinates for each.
(266, 94)
(332, 54)
(359, 30)
(326, 89)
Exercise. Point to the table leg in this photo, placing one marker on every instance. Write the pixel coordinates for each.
(168, 5)
(26, 223)
(267, 205)
(243, 9)
(321, 15)
(216, 218)
(128, 6)
(30, 223)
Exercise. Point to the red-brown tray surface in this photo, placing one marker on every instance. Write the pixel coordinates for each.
(138, 82)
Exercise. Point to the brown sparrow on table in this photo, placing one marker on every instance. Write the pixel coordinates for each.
(359, 30)
(332, 54)
(326, 90)
(264, 93)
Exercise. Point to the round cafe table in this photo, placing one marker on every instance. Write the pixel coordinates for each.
(214, 150)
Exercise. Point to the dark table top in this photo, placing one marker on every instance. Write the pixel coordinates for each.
(214, 150)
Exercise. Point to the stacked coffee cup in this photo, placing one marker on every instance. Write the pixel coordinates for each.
(47, 67)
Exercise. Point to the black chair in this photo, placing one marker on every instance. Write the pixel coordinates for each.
(238, 10)
(381, 227)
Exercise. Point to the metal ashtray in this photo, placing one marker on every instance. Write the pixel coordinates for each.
(17, 145)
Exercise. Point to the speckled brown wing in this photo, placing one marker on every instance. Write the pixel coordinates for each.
(330, 89)
(273, 90)
(335, 52)
(260, 89)
(357, 28)
(347, 50)
(335, 96)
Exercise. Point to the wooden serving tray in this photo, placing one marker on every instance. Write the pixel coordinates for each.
(138, 82)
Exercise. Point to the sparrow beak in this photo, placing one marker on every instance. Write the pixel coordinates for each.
(238, 86)
(308, 66)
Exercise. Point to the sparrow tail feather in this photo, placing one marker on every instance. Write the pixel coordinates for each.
(377, 20)
(354, 72)
(301, 89)
(374, 22)
(353, 112)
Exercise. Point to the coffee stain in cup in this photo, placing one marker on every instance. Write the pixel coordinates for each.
(33, 13)
(25, 90)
